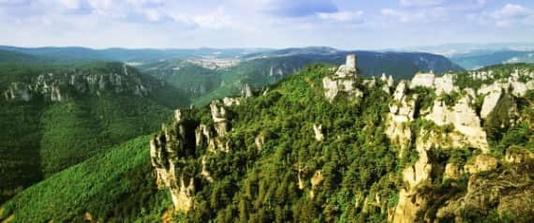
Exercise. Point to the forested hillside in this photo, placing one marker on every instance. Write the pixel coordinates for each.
(54, 116)
(310, 150)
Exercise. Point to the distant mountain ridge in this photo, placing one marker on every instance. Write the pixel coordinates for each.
(76, 54)
(481, 58)
(267, 67)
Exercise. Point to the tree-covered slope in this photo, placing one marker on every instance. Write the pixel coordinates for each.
(290, 154)
(422, 153)
(193, 79)
(116, 186)
(16, 57)
(56, 116)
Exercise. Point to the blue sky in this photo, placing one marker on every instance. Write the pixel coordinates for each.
(346, 24)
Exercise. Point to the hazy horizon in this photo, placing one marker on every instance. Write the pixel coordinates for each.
(384, 24)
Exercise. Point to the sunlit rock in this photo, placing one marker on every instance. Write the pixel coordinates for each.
(343, 81)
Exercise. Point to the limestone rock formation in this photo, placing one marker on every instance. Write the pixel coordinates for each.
(452, 171)
(300, 173)
(410, 201)
(443, 84)
(18, 91)
(165, 152)
(464, 119)
(318, 131)
(481, 163)
(315, 181)
(219, 115)
(228, 102)
(57, 87)
(490, 101)
(388, 83)
(401, 113)
(518, 155)
(343, 81)
(204, 172)
(203, 135)
(504, 189)
(259, 141)
(246, 91)
(423, 80)
(213, 136)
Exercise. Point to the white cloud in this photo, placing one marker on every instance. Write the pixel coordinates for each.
(71, 4)
(512, 11)
(342, 16)
(190, 23)
(418, 16)
(297, 8)
(511, 15)
(452, 5)
(420, 3)
(214, 20)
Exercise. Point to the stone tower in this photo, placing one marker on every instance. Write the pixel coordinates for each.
(343, 81)
(348, 69)
(351, 62)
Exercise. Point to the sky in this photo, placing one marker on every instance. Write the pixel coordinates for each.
(344, 24)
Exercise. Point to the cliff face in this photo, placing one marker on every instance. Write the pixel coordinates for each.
(448, 139)
(61, 85)
(464, 130)
(166, 150)
(183, 141)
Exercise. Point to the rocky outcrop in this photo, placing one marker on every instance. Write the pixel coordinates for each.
(481, 163)
(465, 121)
(166, 149)
(318, 131)
(175, 146)
(452, 171)
(204, 172)
(259, 141)
(467, 132)
(315, 181)
(508, 191)
(443, 84)
(18, 91)
(300, 177)
(490, 101)
(516, 155)
(388, 83)
(57, 87)
(207, 137)
(220, 117)
(246, 91)
(401, 113)
(228, 102)
(343, 81)
(423, 80)
(410, 201)
(213, 136)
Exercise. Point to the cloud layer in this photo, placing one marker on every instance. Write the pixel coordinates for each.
(263, 23)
